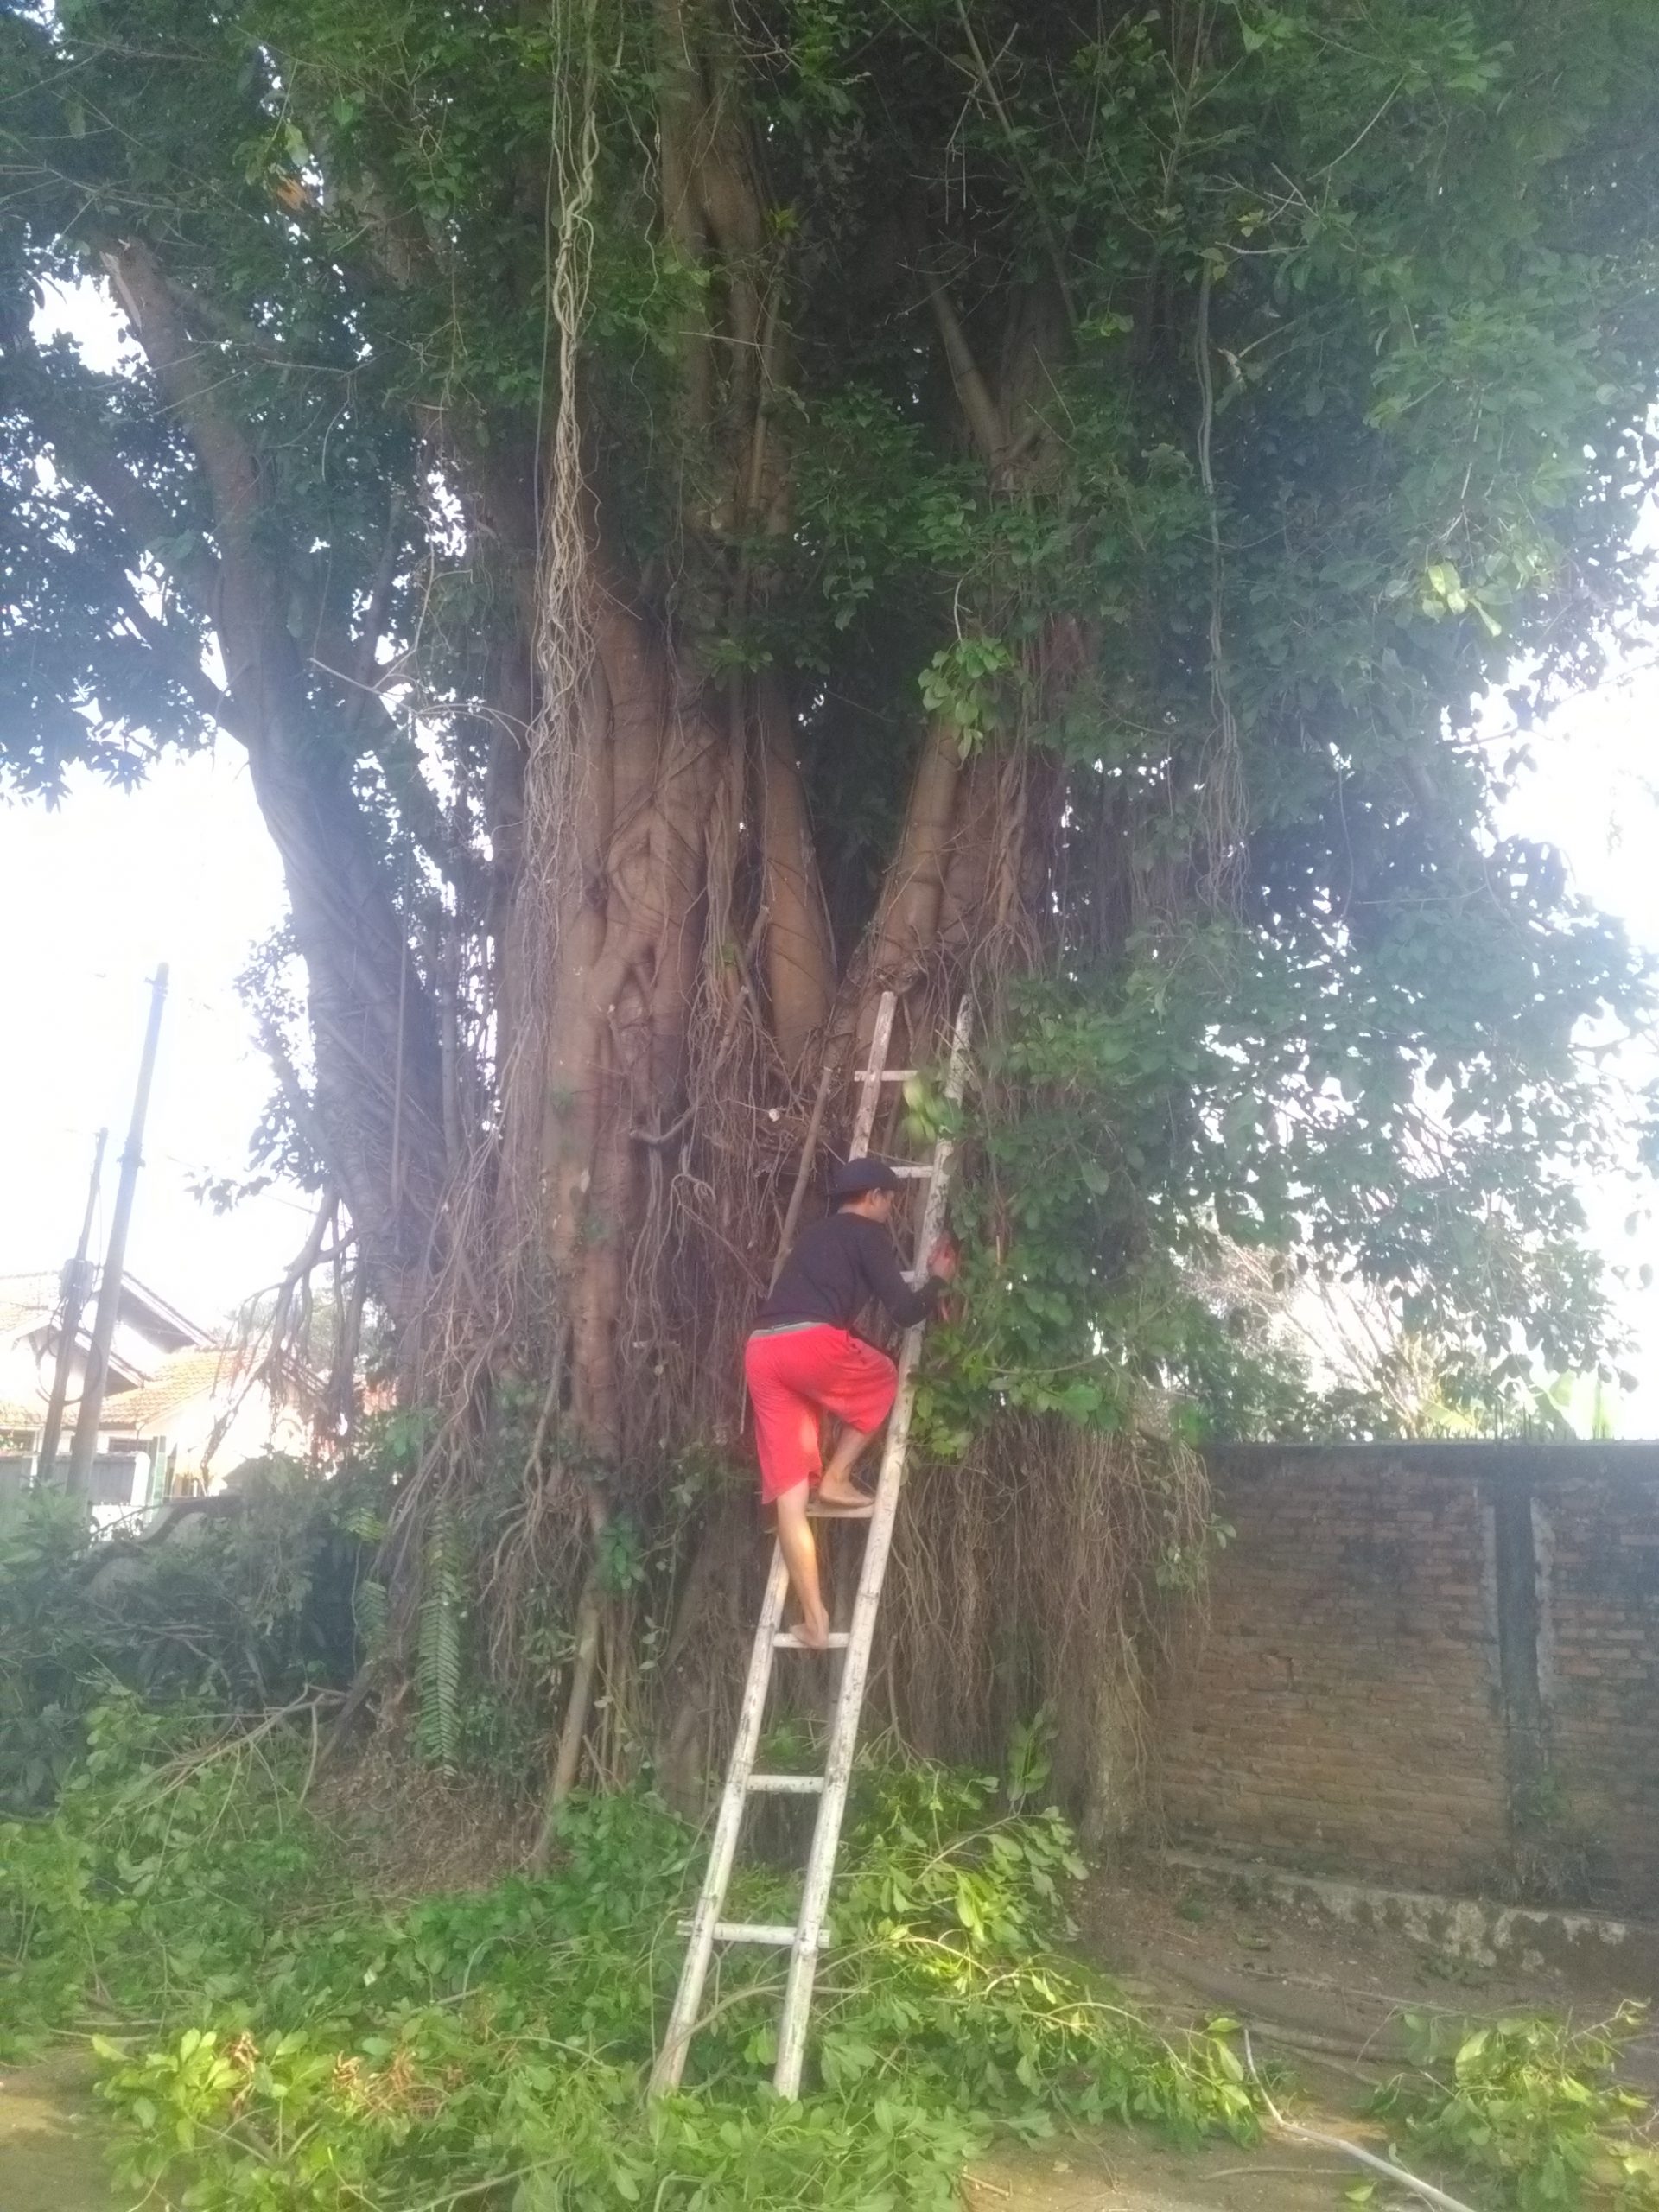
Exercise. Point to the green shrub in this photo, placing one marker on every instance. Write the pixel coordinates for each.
(256, 1605)
(164, 1878)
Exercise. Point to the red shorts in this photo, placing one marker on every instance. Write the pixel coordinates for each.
(794, 1375)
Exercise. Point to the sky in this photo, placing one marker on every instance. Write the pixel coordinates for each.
(92, 896)
(1594, 793)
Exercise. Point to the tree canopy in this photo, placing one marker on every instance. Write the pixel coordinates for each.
(698, 513)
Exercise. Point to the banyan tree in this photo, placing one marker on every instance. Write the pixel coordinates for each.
(700, 512)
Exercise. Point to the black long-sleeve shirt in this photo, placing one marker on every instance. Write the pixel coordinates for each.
(836, 1267)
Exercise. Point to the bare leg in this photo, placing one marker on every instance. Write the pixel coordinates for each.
(801, 1557)
(838, 1487)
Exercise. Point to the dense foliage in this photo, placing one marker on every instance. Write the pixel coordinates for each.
(275, 2031)
(250, 1609)
(272, 2038)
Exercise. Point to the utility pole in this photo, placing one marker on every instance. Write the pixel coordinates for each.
(77, 1281)
(80, 1481)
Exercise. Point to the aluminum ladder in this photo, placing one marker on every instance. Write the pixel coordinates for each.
(807, 1937)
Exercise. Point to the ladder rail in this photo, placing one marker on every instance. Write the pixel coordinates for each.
(849, 1703)
(843, 1741)
(722, 1848)
(869, 1097)
(809, 1936)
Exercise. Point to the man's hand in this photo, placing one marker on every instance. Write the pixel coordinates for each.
(942, 1260)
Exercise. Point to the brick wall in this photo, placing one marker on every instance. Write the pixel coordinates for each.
(1598, 1544)
(1420, 1656)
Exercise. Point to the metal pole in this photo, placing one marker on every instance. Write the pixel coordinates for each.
(80, 1481)
(77, 1281)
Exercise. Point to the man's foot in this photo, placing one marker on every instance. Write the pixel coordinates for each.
(812, 1630)
(839, 1501)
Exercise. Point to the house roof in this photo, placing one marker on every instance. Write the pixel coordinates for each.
(29, 1314)
(183, 1380)
(26, 1301)
(152, 1333)
(31, 1301)
(152, 1317)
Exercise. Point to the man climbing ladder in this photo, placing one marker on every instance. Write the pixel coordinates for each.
(808, 1937)
(802, 1360)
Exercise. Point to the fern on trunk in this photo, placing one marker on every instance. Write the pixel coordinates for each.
(437, 1651)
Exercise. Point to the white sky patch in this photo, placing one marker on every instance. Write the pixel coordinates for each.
(91, 897)
(85, 313)
(1594, 793)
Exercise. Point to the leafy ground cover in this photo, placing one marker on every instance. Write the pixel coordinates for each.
(1533, 2106)
(283, 2019)
(271, 2037)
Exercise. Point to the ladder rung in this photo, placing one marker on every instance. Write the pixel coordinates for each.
(919, 1168)
(751, 1931)
(787, 1639)
(885, 1075)
(787, 1785)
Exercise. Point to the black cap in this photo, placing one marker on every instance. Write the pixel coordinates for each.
(853, 1177)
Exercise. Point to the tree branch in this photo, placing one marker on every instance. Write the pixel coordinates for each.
(985, 423)
(155, 314)
(415, 800)
(1051, 237)
(374, 615)
(142, 513)
(182, 659)
(295, 1095)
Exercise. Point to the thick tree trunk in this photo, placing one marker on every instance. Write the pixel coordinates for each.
(378, 1098)
(909, 919)
(800, 970)
(708, 856)
(629, 943)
